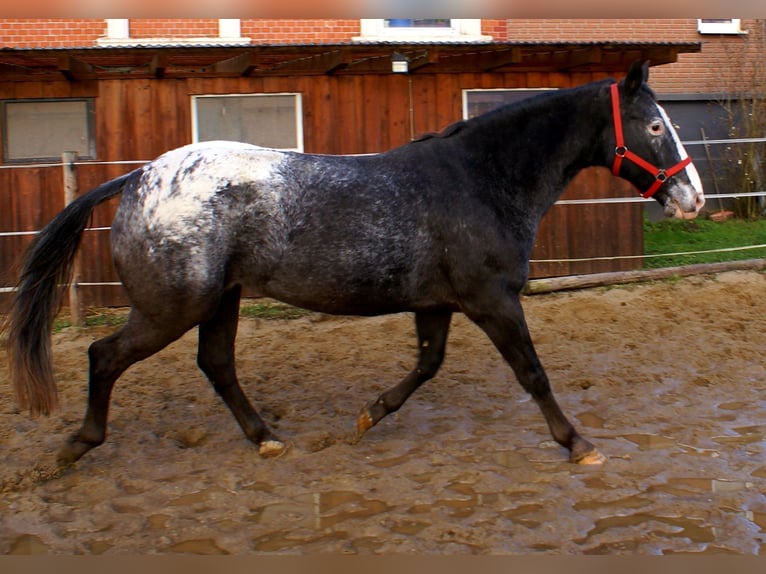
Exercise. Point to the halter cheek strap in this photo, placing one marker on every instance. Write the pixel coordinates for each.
(621, 152)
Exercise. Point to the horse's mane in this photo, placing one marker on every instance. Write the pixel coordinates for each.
(518, 107)
(450, 130)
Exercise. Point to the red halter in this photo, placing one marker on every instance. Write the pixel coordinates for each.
(621, 151)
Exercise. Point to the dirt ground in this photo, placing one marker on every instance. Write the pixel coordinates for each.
(667, 379)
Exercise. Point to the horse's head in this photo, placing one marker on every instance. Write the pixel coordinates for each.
(648, 152)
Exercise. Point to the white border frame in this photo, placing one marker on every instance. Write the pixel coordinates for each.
(298, 113)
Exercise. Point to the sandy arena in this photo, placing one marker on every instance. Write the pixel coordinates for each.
(667, 379)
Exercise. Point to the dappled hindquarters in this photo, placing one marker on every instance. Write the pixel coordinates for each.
(666, 379)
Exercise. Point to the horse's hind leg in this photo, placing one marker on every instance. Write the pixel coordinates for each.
(138, 339)
(432, 328)
(216, 359)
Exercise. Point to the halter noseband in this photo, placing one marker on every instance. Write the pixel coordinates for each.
(621, 151)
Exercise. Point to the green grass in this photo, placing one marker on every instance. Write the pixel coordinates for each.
(678, 236)
(93, 318)
(268, 309)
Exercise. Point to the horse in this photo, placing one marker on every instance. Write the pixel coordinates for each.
(436, 226)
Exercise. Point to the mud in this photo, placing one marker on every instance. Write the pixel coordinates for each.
(667, 379)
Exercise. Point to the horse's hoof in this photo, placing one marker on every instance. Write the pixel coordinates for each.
(591, 457)
(72, 451)
(363, 422)
(272, 448)
(65, 458)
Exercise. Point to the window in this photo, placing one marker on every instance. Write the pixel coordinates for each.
(35, 130)
(421, 29)
(476, 102)
(712, 26)
(118, 34)
(269, 120)
(421, 24)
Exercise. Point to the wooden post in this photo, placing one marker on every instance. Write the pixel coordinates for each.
(551, 284)
(70, 194)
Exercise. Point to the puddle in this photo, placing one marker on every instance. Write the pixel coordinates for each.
(519, 514)
(657, 527)
(409, 527)
(510, 459)
(205, 546)
(100, 546)
(733, 406)
(281, 541)
(745, 435)
(651, 441)
(629, 502)
(591, 420)
(28, 544)
(319, 511)
(389, 462)
(686, 486)
(198, 497)
(759, 519)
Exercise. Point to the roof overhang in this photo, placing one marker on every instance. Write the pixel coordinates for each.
(182, 61)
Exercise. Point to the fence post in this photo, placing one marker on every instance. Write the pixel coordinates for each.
(70, 194)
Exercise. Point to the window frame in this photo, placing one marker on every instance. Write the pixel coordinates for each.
(730, 26)
(298, 98)
(467, 91)
(460, 30)
(118, 34)
(90, 126)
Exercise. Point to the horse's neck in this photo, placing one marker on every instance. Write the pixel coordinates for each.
(544, 146)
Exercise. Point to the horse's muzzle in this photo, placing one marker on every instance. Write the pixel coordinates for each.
(684, 202)
(687, 208)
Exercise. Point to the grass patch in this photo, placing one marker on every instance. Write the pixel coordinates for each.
(93, 318)
(679, 236)
(270, 309)
(114, 317)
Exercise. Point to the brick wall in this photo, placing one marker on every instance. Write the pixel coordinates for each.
(718, 68)
(300, 31)
(50, 32)
(173, 28)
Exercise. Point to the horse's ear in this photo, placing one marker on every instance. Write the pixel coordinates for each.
(638, 74)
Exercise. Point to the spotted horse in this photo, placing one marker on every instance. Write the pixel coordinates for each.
(440, 225)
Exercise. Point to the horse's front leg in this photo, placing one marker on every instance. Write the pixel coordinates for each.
(503, 321)
(432, 328)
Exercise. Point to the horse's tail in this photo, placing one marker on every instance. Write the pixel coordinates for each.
(46, 271)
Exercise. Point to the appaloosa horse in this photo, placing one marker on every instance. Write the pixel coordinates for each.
(439, 225)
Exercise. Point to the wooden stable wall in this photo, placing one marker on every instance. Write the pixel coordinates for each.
(138, 119)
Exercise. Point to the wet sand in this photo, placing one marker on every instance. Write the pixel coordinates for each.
(667, 379)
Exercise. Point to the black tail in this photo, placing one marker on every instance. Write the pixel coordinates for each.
(46, 272)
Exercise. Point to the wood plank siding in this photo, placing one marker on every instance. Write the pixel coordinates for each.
(140, 118)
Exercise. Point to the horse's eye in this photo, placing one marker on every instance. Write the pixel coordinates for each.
(656, 128)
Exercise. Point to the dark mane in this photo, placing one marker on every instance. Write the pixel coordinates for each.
(526, 106)
(450, 130)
